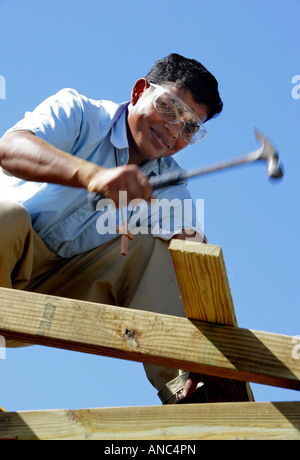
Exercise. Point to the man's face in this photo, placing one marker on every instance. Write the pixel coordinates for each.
(151, 136)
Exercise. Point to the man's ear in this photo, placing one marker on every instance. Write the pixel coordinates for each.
(138, 90)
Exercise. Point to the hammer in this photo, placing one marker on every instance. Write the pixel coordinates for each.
(265, 153)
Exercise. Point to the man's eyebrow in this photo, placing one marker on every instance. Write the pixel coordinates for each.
(193, 110)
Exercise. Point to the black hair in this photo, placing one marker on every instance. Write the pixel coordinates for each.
(190, 74)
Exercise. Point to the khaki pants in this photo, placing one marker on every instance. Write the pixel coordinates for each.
(144, 279)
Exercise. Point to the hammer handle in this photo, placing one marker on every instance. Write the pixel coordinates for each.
(178, 176)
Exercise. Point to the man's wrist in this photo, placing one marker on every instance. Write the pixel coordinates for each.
(85, 174)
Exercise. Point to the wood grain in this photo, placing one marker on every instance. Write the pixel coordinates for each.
(220, 421)
(203, 282)
(220, 351)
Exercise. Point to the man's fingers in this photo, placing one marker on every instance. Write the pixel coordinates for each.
(128, 179)
(189, 387)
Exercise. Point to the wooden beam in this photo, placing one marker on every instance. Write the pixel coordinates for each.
(203, 282)
(221, 351)
(220, 421)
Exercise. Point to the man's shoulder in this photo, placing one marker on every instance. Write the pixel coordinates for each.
(86, 102)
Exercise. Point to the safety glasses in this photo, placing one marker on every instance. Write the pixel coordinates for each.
(173, 110)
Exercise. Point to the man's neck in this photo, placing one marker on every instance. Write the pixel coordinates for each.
(135, 157)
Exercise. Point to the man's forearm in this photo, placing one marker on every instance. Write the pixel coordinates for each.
(24, 155)
(29, 157)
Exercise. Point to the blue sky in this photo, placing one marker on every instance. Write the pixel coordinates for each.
(101, 48)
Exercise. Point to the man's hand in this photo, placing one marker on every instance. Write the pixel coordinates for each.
(189, 387)
(190, 236)
(109, 182)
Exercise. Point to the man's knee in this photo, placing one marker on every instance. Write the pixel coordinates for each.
(14, 220)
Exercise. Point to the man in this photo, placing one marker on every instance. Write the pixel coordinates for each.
(72, 149)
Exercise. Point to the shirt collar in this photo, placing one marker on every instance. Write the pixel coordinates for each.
(118, 136)
(151, 167)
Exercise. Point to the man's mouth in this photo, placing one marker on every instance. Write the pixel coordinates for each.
(160, 138)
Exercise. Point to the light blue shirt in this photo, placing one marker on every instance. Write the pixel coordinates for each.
(64, 217)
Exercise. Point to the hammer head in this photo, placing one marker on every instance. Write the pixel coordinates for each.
(268, 153)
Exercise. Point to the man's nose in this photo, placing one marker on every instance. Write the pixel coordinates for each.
(174, 128)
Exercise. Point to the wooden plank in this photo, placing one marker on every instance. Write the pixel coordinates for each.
(203, 282)
(221, 351)
(220, 421)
